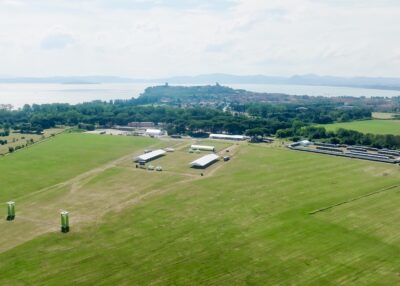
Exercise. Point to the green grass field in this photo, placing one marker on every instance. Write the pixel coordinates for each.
(66, 156)
(369, 126)
(246, 222)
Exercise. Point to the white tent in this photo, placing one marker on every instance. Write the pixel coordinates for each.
(203, 147)
(228, 137)
(204, 161)
(150, 155)
(153, 132)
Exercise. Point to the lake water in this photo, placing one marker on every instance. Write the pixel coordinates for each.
(20, 94)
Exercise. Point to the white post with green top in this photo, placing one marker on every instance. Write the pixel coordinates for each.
(10, 210)
(64, 221)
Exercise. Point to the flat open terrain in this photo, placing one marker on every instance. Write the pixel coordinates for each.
(245, 222)
(383, 115)
(369, 126)
(63, 157)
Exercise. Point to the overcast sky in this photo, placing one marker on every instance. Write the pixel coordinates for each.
(157, 38)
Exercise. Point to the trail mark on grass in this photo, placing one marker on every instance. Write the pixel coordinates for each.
(352, 200)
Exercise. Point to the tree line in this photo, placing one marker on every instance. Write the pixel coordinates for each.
(250, 119)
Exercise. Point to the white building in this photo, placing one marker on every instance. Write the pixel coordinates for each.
(154, 132)
(305, 143)
(204, 161)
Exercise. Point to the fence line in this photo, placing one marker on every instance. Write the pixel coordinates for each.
(353, 199)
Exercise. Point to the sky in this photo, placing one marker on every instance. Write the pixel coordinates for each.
(161, 38)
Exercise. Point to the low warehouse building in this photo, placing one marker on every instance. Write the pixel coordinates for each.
(204, 161)
(202, 148)
(154, 132)
(150, 156)
(228, 137)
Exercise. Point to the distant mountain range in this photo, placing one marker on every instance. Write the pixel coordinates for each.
(310, 79)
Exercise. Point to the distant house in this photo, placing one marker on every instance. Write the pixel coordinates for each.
(146, 124)
(137, 124)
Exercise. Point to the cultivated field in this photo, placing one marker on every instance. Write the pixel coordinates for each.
(369, 126)
(245, 222)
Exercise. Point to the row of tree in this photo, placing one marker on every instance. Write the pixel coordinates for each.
(341, 136)
(33, 119)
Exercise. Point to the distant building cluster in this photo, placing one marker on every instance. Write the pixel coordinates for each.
(145, 128)
(151, 129)
(146, 124)
(343, 150)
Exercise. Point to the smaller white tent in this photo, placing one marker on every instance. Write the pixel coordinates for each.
(202, 147)
(153, 132)
(150, 155)
(228, 137)
(204, 161)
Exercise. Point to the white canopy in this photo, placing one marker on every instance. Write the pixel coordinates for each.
(202, 147)
(205, 160)
(152, 131)
(227, 136)
(151, 155)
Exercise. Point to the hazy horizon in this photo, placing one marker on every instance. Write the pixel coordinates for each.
(78, 75)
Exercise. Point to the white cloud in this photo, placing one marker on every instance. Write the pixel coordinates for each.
(57, 40)
(155, 38)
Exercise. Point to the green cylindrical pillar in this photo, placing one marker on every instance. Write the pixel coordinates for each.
(10, 210)
(64, 221)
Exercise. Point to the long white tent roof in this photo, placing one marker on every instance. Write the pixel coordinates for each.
(150, 155)
(227, 136)
(153, 131)
(205, 160)
(203, 147)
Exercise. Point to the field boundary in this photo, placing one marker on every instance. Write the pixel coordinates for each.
(8, 153)
(352, 200)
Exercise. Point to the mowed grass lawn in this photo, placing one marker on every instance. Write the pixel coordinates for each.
(368, 126)
(59, 159)
(248, 224)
